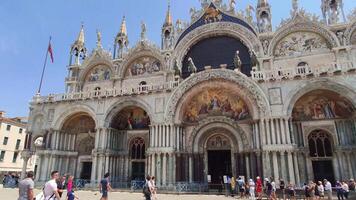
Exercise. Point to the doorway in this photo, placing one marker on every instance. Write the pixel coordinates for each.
(138, 171)
(323, 170)
(86, 171)
(219, 164)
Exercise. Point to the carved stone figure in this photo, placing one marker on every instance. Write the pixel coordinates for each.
(342, 37)
(295, 5)
(265, 46)
(143, 31)
(211, 14)
(249, 10)
(98, 35)
(177, 71)
(191, 66)
(232, 5)
(237, 61)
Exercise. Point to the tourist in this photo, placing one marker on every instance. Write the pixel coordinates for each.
(105, 187)
(50, 191)
(328, 189)
(306, 189)
(61, 185)
(269, 189)
(26, 188)
(312, 190)
(259, 187)
(233, 186)
(345, 189)
(251, 185)
(320, 189)
(282, 187)
(153, 188)
(274, 188)
(352, 185)
(147, 188)
(247, 189)
(291, 192)
(241, 185)
(70, 192)
(339, 191)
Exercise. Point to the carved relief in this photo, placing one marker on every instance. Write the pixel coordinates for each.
(144, 65)
(300, 43)
(218, 142)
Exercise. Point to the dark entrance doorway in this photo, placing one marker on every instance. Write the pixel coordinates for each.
(138, 171)
(323, 170)
(86, 171)
(219, 164)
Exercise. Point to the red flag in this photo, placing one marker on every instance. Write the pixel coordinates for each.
(50, 51)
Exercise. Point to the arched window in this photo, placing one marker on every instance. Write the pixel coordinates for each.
(302, 68)
(138, 149)
(97, 91)
(319, 144)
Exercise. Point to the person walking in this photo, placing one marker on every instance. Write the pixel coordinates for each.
(339, 191)
(291, 191)
(320, 189)
(105, 187)
(352, 185)
(233, 186)
(345, 189)
(50, 191)
(147, 188)
(282, 187)
(26, 187)
(259, 187)
(70, 192)
(328, 189)
(153, 188)
(269, 189)
(251, 185)
(61, 185)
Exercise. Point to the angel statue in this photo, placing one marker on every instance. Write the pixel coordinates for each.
(191, 66)
(237, 61)
(249, 10)
(143, 31)
(177, 71)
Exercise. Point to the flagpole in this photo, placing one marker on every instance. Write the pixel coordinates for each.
(44, 67)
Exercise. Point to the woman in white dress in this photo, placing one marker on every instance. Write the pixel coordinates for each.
(252, 189)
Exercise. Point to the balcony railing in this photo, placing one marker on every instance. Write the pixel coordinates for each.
(112, 92)
(302, 71)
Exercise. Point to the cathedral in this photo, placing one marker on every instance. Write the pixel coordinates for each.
(223, 94)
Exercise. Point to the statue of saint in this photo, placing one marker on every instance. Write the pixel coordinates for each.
(177, 71)
(237, 61)
(295, 5)
(98, 35)
(191, 66)
(143, 31)
(232, 5)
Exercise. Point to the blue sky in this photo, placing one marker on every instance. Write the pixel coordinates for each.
(25, 26)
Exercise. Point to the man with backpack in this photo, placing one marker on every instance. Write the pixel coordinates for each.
(50, 190)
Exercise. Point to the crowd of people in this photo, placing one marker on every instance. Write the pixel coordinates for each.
(258, 189)
(251, 189)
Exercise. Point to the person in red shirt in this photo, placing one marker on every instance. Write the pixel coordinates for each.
(259, 187)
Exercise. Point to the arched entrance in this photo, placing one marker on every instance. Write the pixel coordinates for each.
(82, 127)
(320, 151)
(218, 150)
(131, 126)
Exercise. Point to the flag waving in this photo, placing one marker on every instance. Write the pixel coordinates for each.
(50, 51)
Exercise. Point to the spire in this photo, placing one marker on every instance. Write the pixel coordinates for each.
(168, 21)
(123, 29)
(80, 39)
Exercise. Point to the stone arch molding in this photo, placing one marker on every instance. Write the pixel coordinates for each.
(143, 48)
(254, 92)
(247, 37)
(233, 131)
(117, 106)
(319, 84)
(300, 24)
(72, 110)
(99, 56)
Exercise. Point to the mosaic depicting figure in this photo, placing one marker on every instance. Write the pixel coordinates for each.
(132, 118)
(99, 73)
(322, 104)
(216, 102)
(300, 43)
(145, 65)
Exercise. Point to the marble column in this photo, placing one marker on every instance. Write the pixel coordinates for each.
(286, 121)
(296, 168)
(262, 131)
(25, 156)
(153, 172)
(291, 168)
(283, 165)
(283, 130)
(190, 168)
(247, 161)
(93, 171)
(38, 171)
(164, 169)
(273, 132)
(278, 131)
(268, 132)
(159, 170)
(275, 166)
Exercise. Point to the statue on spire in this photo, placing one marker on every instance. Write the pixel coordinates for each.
(143, 31)
(232, 5)
(295, 6)
(98, 41)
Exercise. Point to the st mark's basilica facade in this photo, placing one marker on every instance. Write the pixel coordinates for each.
(223, 95)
